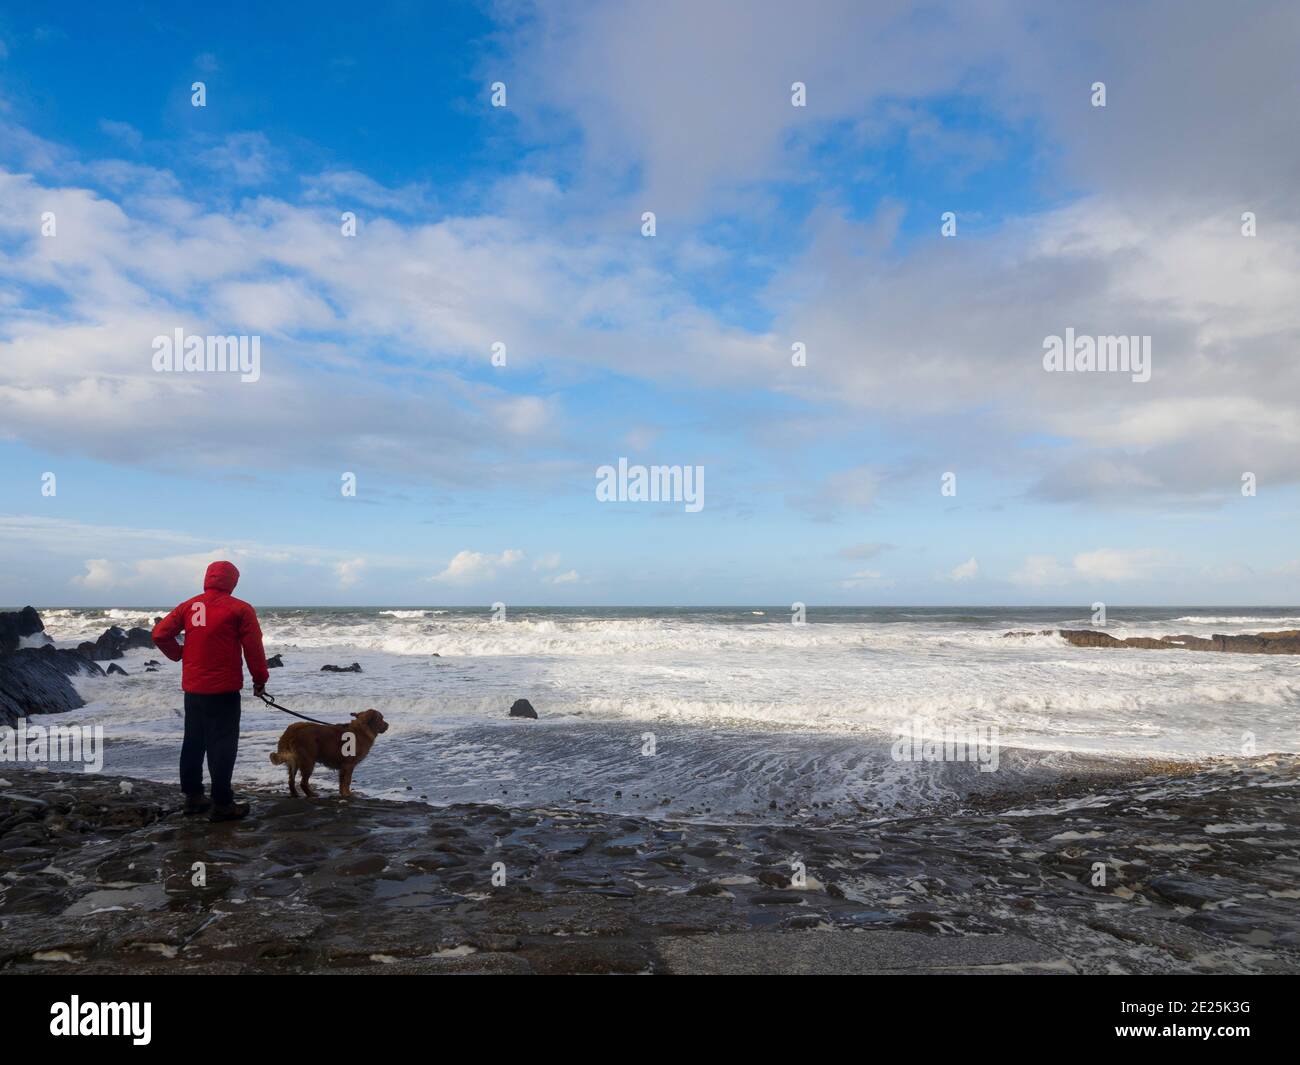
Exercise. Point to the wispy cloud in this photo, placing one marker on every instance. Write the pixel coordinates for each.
(1101, 566)
(475, 567)
(964, 571)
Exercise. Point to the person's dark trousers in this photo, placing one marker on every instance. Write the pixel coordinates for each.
(211, 728)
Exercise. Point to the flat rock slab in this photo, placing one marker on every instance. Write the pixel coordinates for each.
(843, 953)
(1187, 871)
(467, 965)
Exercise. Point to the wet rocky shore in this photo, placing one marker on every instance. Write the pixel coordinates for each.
(1187, 870)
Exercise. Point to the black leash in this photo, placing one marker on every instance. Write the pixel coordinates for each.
(269, 702)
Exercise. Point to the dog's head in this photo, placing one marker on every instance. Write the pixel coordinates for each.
(372, 720)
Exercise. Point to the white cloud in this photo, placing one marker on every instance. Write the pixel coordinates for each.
(349, 571)
(695, 103)
(272, 305)
(866, 577)
(1225, 385)
(151, 261)
(170, 573)
(522, 415)
(153, 564)
(1155, 248)
(100, 573)
(641, 437)
(965, 571)
(1039, 570)
(350, 190)
(246, 158)
(122, 131)
(1104, 565)
(697, 99)
(852, 489)
(472, 567)
(568, 577)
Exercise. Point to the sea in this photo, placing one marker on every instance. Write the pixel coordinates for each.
(721, 712)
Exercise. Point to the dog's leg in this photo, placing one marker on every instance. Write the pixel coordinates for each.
(306, 769)
(345, 781)
(292, 790)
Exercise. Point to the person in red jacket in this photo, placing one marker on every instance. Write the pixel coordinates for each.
(217, 628)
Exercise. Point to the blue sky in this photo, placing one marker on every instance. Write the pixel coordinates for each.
(774, 225)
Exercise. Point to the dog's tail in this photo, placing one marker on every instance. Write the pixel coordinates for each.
(276, 758)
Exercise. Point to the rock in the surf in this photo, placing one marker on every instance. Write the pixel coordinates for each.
(111, 644)
(274, 662)
(114, 641)
(17, 625)
(138, 637)
(35, 681)
(354, 668)
(523, 708)
(1285, 642)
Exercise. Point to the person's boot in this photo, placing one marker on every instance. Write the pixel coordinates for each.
(231, 812)
(196, 804)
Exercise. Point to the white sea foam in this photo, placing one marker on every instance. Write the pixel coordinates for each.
(842, 685)
(479, 637)
(1239, 619)
(119, 614)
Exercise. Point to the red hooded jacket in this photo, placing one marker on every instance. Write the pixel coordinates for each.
(216, 627)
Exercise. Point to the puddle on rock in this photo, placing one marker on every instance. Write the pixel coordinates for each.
(143, 897)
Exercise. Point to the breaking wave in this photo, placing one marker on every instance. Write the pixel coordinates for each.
(860, 674)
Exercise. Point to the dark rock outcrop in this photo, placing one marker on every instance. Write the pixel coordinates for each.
(274, 662)
(35, 681)
(114, 642)
(1285, 642)
(137, 637)
(111, 644)
(67, 662)
(115, 668)
(18, 624)
(354, 668)
(523, 708)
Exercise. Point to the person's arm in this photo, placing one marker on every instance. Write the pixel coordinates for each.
(165, 632)
(250, 637)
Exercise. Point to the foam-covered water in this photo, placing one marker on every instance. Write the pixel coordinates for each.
(748, 695)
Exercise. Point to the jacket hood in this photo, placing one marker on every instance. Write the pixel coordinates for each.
(221, 577)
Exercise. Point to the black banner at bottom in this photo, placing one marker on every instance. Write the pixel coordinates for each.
(213, 1013)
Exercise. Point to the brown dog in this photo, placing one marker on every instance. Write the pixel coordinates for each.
(340, 747)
